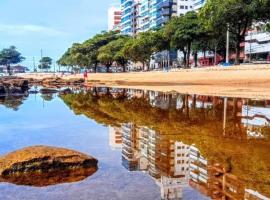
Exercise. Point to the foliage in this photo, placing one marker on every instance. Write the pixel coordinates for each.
(10, 56)
(112, 52)
(141, 48)
(183, 31)
(237, 15)
(45, 63)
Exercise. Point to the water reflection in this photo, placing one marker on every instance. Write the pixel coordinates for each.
(12, 101)
(220, 146)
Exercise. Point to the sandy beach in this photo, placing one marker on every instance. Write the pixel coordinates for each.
(248, 81)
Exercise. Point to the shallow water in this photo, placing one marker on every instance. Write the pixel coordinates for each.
(149, 145)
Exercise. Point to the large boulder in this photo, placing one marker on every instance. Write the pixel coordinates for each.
(13, 85)
(43, 165)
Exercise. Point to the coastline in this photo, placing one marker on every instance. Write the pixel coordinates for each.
(247, 81)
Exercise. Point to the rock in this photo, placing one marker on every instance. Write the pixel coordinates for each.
(43, 165)
(13, 85)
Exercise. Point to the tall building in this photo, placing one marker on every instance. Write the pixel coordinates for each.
(130, 16)
(198, 4)
(130, 147)
(143, 15)
(257, 45)
(184, 6)
(114, 18)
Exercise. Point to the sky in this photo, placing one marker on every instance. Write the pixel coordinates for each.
(50, 25)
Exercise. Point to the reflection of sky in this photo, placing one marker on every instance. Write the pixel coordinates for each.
(56, 125)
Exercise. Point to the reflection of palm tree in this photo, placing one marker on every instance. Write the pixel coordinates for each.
(47, 97)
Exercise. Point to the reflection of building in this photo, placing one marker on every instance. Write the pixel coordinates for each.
(174, 168)
(130, 147)
(254, 118)
(162, 100)
(253, 195)
(198, 170)
(115, 137)
(165, 160)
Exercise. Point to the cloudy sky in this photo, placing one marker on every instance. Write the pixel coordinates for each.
(51, 25)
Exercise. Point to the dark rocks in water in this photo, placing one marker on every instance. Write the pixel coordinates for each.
(42, 166)
(48, 91)
(13, 85)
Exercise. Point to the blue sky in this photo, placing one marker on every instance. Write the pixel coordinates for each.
(52, 25)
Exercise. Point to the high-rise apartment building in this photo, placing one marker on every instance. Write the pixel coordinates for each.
(198, 4)
(143, 15)
(114, 18)
(129, 18)
(184, 6)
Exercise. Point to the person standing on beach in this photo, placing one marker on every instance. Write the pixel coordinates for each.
(85, 75)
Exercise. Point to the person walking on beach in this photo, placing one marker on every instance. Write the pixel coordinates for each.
(85, 75)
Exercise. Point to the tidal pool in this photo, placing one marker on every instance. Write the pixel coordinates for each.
(149, 145)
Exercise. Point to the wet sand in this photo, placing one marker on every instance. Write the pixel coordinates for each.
(248, 81)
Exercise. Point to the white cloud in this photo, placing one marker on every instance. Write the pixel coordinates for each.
(26, 29)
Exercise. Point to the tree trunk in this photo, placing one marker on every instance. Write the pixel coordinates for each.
(196, 58)
(95, 68)
(215, 61)
(9, 70)
(107, 68)
(124, 68)
(188, 55)
(237, 52)
(185, 57)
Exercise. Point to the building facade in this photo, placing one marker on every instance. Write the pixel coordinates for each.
(114, 18)
(257, 45)
(143, 15)
(130, 16)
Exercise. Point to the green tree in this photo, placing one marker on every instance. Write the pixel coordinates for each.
(141, 48)
(182, 32)
(45, 63)
(91, 47)
(10, 56)
(113, 52)
(237, 15)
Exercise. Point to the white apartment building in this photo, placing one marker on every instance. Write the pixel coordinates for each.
(114, 18)
(198, 4)
(184, 6)
(115, 138)
(257, 45)
(198, 166)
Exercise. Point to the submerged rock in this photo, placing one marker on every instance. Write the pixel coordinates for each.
(43, 166)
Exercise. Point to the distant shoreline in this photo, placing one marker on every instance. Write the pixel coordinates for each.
(250, 81)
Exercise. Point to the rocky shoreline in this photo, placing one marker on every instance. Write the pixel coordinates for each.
(12, 85)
